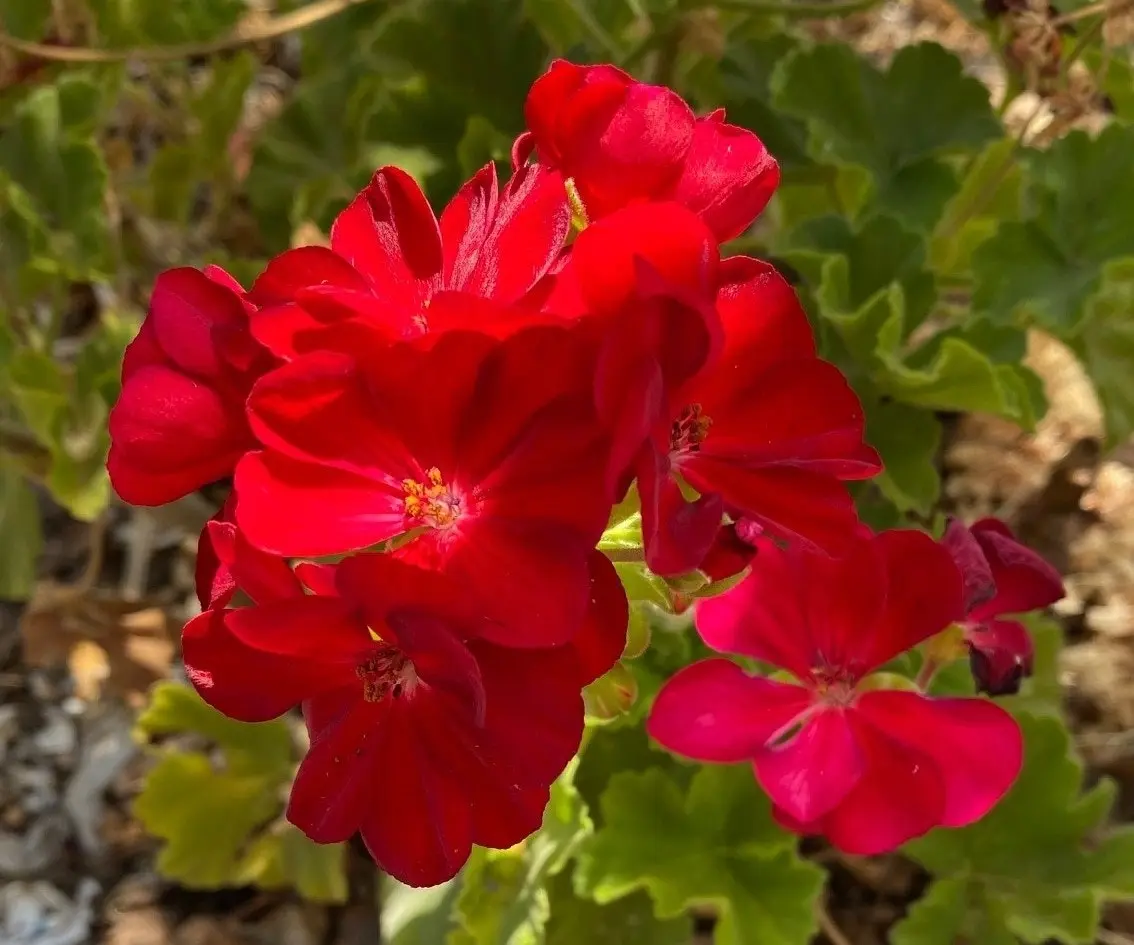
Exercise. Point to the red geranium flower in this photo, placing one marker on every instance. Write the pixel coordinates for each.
(621, 141)
(425, 737)
(766, 430)
(867, 768)
(179, 423)
(1001, 577)
(486, 456)
(392, 264)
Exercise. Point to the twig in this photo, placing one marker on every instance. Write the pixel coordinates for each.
(828, 925)
(242, 36)
(1110, 937)
(1109, 7)
(806, 9)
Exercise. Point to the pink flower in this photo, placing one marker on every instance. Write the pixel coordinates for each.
(867, 768)
(1001, 577)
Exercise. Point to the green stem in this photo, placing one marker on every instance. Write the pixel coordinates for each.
(635, 555)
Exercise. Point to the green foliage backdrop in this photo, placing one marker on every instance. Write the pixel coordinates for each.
(926, 236)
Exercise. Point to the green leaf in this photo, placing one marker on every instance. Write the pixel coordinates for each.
(283, 856)
(1078, 198)
(988, 196)
(1104, 343)
(40, 391)
(715, 844)
(27, 19)
(953, 911)
(222, 824)
(125, 22)
(624, 527)
(481, 144)
(264, 749)
(205, 816)
(740, 83)
(626, 921)
(880, 252)
(895, 124)
(62, 177)
(503, 899)
(907, 439)
(418, 916)
(1035, 858)
(23, 537)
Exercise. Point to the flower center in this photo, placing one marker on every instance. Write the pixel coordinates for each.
(689, 429)
(833, 687)
(385, 672)
(431, 502)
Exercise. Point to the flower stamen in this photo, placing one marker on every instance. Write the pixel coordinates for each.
(431, 502)
(689, 430)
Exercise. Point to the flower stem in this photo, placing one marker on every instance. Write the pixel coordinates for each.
(636, 555)
(925, 675)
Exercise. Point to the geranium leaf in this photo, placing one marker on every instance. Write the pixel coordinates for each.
(1078, 198)
(895, 124)
(1035, 858)
(715, 844)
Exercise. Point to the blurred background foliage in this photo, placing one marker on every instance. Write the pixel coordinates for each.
(940, 201)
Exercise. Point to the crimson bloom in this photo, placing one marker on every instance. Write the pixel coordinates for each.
(868, 768)
(483, 458)
(179, 423)
(425, 737)
(621, 142)
(392, 264)
(766, 430)
(1001, 577)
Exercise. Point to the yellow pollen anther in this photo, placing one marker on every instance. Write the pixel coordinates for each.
(432, 502)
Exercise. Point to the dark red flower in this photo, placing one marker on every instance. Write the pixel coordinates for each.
(766, 430)
(867, 768)
(179, 423)
(1001, 577)
(392, 264)
(485, 456)
(621, 142)
(425, 737)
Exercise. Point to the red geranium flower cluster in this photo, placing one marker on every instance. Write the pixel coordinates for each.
(449, 408)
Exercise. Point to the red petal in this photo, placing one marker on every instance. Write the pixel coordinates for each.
(296, 269)
(320, 409)
(349, 757)
(677, 534)
(171, 435)
(714, 711)
(811, 773)
(900, 796)
(925, 593)
(763, 320)
(1001, 653)
(974, 744)
(419, 828)
(263, 577)
(389, 234)
(807, 507)
(979, 584)
(728, 177)
(500, 250)
(602, 638)
(328, 511)
(246, 683)
(676, 245)
(186, 308)
(1024, 580)
(802, 414)
(319, 632)
(764, 615)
